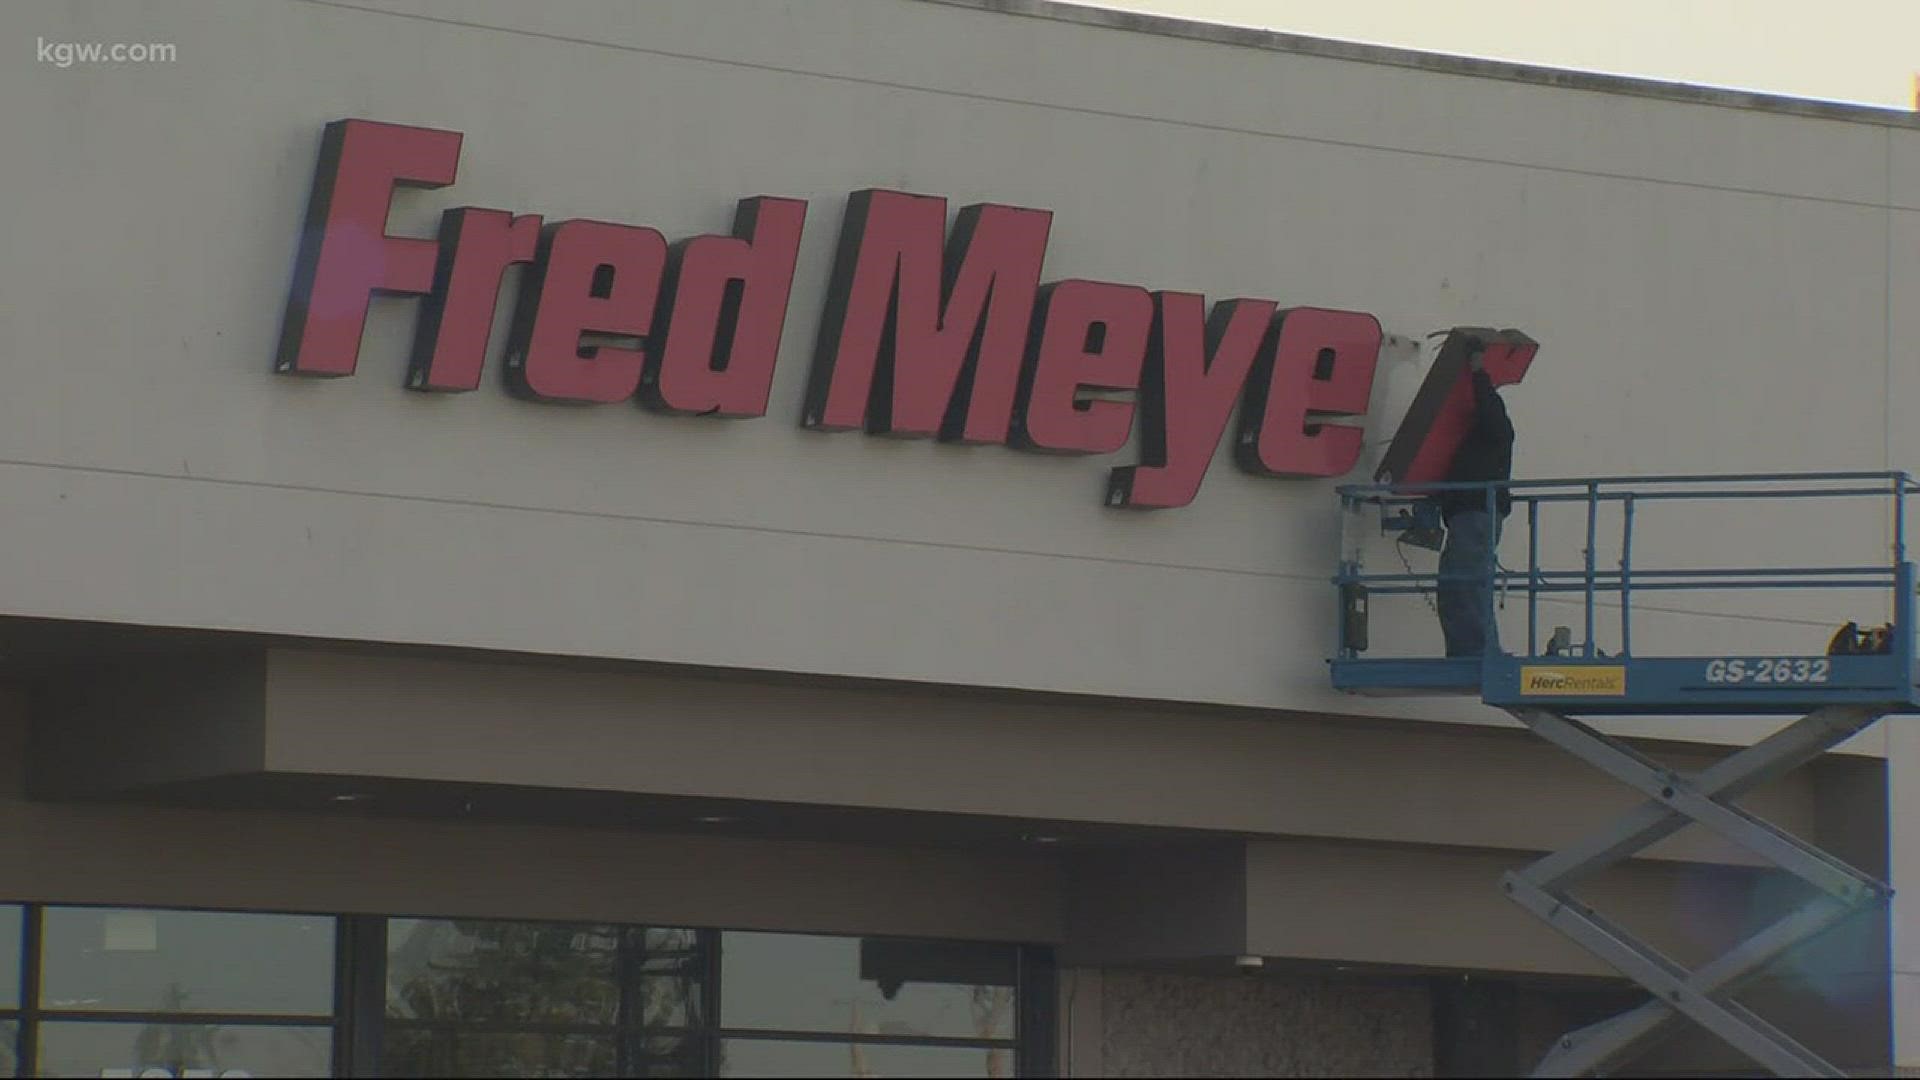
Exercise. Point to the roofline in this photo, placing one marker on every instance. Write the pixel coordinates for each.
(1276, 41)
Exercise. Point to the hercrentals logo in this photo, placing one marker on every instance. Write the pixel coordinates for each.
(1574, 681)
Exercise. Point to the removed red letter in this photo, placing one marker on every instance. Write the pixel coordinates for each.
(1424, 444)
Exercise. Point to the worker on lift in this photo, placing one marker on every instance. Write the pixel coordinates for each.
(1465, 600)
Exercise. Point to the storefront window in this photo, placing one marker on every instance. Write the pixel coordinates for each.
(146, 992)
(501, 973)
(424, 1052)
(69, 1048)
(485, 998)
(171, 962)
(12, 922)
(867, 986)
(165, 993)
(681, 1054)
(480, 998)
(672, 969)
(776, 1057)
(11, 919)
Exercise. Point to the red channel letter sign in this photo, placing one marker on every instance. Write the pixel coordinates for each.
(1442, 410)
(928, 332)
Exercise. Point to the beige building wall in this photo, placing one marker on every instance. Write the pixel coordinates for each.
(1711, 284)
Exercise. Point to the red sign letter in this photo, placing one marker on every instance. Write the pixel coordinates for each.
(345, 253)
(1090, 334)
(729, 305)
(1423, 446)
(903, 354)
(590, 278)
(476, 247)
(1320, 366)
(1193, 375)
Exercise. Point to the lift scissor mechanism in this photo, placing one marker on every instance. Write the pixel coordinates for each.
(1674, 802)
(1836, 686)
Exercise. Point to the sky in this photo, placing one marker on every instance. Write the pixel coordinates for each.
(1862, 51)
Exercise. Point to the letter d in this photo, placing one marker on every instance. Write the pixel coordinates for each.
(727, 307)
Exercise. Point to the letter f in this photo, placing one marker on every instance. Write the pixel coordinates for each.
(345, 253)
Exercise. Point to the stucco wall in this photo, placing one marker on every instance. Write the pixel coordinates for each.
(1157, 1024)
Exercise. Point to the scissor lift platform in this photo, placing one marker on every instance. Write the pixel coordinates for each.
(1667, 685)
(1837, 694)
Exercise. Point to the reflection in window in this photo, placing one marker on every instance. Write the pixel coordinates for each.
(462, 994)
(10, 946)
(501, 972)
(871, 986)
(82, 1048)
(131, 991)
(667, 1055)
(422, 1052)
(98, 959)
(483, 972)
(672, 969)
(447, 1052)
(775, 1057)
(492, 998)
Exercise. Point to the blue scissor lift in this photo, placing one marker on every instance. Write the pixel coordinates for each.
(1547, 683)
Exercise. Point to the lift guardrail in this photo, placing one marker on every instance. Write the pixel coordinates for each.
(1622, 680)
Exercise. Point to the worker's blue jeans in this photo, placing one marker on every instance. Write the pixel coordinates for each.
(1466, 604)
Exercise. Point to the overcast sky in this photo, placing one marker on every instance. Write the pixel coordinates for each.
(1843, 50)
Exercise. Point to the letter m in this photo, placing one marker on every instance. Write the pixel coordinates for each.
(923, 335)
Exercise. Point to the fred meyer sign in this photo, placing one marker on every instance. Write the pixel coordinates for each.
(927, 332)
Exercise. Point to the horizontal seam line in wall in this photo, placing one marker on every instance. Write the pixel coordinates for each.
(482, 504)
(1084, 110)
(775, 530)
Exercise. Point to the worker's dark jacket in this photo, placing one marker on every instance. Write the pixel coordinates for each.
(1485, 454)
